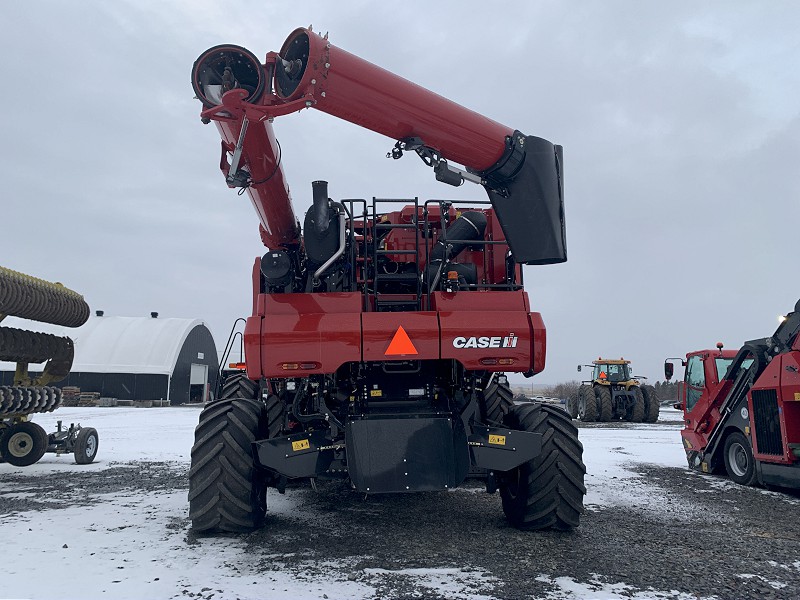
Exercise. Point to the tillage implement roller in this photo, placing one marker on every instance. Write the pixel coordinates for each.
(23, 442)
(382, 329)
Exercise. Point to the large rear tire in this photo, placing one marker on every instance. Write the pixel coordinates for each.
(587, 403)
(227, 491)
(547, 491)
(238, 385)
(23, 443)
(635, 413)
(652, 404)
(604, 401)
(498, 400)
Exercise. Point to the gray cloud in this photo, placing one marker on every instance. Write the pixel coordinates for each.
(679, 123)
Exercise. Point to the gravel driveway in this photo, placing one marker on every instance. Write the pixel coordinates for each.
(695, 536)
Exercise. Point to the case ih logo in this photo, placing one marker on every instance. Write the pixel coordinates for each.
(510, 341)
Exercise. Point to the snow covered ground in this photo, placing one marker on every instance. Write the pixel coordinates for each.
(136, 544)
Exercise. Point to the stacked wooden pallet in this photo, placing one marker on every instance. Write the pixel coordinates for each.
(89, 399)
(70, 395)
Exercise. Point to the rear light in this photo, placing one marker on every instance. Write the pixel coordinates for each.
(306, 366)
(239, 365)
(497, 361)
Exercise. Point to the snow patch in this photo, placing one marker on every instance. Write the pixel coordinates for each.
(773, 584)
(596, 589)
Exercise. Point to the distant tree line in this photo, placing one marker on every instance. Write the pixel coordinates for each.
(565, 389)
(666, 390)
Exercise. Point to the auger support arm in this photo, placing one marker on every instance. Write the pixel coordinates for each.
(523, 175)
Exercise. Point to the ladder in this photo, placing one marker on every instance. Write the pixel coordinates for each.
(385, 297)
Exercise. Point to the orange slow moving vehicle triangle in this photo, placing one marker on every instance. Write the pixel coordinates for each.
(401, 344)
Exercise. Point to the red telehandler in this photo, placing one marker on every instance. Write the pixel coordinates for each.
(742, 409)
(380, 336)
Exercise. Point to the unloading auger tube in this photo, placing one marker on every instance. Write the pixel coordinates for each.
(28, 297)
(522, 175)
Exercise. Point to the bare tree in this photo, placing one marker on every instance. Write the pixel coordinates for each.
(562, 390)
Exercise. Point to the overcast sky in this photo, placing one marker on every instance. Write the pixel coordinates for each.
(679, 121)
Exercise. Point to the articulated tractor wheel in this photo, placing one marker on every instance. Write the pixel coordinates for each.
(635, 413)
(547, 491)
(587, 403)
(604, 402)
(572, 404)
(22, 444)
(652, 404)
(227, 492)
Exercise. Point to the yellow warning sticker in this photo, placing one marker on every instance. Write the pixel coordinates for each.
(375, 393)
(797, 395)
(499, 440)
(300, 445)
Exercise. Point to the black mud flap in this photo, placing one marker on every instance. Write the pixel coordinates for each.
(406, 454)
(502, 449)
(300, 455)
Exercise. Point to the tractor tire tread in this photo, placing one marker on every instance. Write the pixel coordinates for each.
(498, 400)
(652, 404)
(605, 402)
(550, 486)
(588, 402)
(635, 413)
(226, 491)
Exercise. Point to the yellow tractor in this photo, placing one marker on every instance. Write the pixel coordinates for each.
(613, 393)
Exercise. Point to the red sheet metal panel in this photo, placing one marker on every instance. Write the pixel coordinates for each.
(400, 336)
(486, 330)
(316, 332)
(539, 346)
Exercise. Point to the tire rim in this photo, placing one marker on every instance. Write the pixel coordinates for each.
(738, 459)
(20, 444)
(91, 446)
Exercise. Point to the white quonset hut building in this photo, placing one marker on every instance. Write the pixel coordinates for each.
(140, 358)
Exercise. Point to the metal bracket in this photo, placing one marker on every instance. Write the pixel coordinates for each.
(235, 177)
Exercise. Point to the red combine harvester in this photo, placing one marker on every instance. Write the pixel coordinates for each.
(379, 337)
(742, 409)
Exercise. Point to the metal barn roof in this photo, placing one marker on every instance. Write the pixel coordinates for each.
(123, 344)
